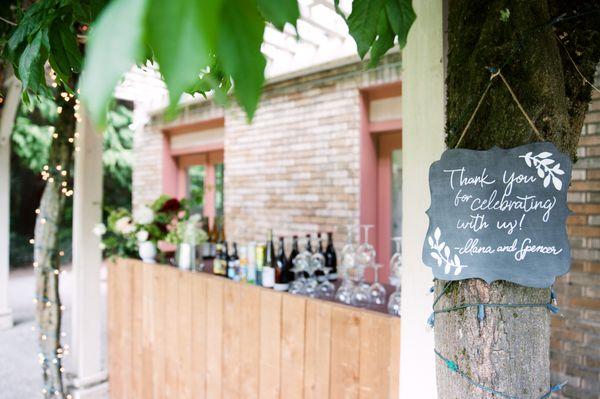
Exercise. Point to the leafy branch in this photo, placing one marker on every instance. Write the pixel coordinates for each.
(201, 47)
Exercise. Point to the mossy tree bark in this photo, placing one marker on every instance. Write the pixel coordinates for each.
(509, 351)
(47, 254)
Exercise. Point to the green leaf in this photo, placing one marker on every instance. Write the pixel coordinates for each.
(363, 21)
(384, 40)
(240, 39)
(182, 34)
(115, 45)
(278, 12)
(401, 16)
(31, 64)
(65, 56)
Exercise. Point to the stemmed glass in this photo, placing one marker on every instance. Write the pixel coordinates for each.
(365, 256)
(347, 264)
(300, 266)
(366, 252)
(396, 271)
(326, 289)
(316, 262)
(377, 291)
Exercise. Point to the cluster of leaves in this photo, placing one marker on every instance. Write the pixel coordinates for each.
(377, 24)
(47, 32)
(200, 46)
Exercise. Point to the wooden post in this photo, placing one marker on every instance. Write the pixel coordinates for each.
(423, 143)
(89, 379)
(9, 112)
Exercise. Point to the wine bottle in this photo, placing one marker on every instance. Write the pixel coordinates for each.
(233, 264)
(294, 252)
(331, 257)
(282, 277)
(308, 246)
(260, 263)
(224, 259)
(319, 273)
(217, 261)
(268, 273)
(251, 266)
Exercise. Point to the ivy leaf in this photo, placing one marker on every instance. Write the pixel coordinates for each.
(278, 12)
(182, 34)
(363, 22)
(115, 45)
(401, 16)
(384, 40)
(240, 39)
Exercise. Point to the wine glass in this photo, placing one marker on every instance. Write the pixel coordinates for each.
(396, 262)
(316, 262)
(300, 265)
(326, 289)
(366, 252)
(347, 264)
(377, 291)
(394, 302)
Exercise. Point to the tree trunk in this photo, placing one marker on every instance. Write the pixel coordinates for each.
(509, 351)
(47, 254)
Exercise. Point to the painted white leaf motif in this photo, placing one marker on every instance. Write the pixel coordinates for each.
(556, 182)
(547, 180)
(441, 253)
(542, 163)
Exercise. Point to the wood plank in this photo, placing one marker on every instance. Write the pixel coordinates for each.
(125, 368)
(345, 355)
(214, 338)
(159, 344)
(171, 328)
(147, 338)
(136, 331)
(114, 332)
(249, 341)
(293, 323)
(198, 348)
(231, 341)
(184, 335)
(318, 350)
(394, 377)
(374, 356)
(270, 348)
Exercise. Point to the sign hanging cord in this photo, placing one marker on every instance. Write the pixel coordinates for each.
(495, 74)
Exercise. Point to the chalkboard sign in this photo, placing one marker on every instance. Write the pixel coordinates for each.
(499, 215)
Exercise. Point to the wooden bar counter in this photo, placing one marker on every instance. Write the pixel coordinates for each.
(175, 334)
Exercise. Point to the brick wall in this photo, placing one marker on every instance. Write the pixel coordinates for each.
(575, 345)
(295, 169)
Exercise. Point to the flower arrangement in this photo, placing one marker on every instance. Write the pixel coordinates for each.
(149, 223)
(188, 231)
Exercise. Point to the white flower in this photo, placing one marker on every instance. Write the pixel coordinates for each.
(99, 229)
(124, 225)
(143, 215)
(142, 236)
(102, 246)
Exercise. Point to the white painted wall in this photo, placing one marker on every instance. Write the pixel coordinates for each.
(423, 143)
(9, 112)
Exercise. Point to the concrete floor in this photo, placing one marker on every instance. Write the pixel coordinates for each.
(20, 374)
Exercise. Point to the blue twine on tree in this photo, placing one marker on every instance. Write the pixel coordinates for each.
(453, 366)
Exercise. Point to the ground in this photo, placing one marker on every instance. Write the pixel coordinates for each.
(20, 374)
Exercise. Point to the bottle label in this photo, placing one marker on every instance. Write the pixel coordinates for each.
(268, 277)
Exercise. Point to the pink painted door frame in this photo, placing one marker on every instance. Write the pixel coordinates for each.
(377, 141)
(177, 162)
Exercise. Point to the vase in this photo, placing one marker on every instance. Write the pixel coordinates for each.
(147, 251)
